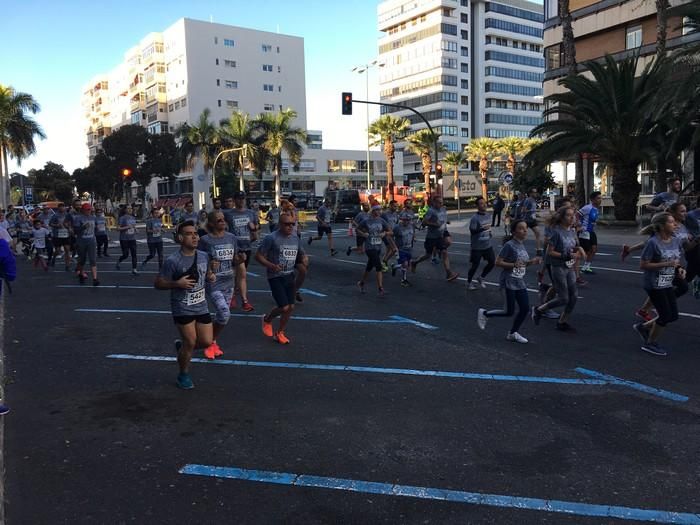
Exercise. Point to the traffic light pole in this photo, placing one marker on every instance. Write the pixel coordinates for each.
(432, 132)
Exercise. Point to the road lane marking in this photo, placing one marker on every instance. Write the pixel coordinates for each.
(394, 319)
(456, 496)
(634, 385)
(304, 291)
(375, 370)
(616, 270)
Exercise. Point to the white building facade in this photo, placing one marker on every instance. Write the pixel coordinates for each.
(473, 68)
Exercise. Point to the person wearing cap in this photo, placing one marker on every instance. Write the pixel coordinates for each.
(86, 243)
(323, 216)
(373, 229)
(241, 224)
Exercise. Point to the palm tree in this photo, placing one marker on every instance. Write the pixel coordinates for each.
(568, 39)
(607, 116)
(454, 161)
(17, 132)
(662, 7)
(277, 136)
(198, 142)
(384, 131)
(237, 132)
(422, 143)
(482, 150)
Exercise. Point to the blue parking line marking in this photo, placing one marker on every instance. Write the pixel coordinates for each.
(305, 291)
(394, 319)
(373, 370)
(636, 386)
(430, 493)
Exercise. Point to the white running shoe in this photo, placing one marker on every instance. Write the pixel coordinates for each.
(481, 318)
(515, 336)
(549, 314)
(472, 286)
(481, 282)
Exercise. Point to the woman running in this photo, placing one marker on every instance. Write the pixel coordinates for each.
(127, 237)
(514, 260)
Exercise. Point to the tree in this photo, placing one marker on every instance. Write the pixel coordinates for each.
(606, 116)
(384, 131)
(515, 147)
(237, 132)
(422, 143)
(454, 161)
(278, 136)
(529, 175)
(198, 142)
(568, 40)
(17, 132)
(161, 160)
(52, 182)
(483, 150)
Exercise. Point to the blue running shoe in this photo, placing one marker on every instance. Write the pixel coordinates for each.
(184, 381)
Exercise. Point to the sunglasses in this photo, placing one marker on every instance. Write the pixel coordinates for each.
(288, 223)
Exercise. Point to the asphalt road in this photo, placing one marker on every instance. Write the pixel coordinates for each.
(497, 432)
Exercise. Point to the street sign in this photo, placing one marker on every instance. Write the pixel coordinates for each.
(506, 178)
(28, 194)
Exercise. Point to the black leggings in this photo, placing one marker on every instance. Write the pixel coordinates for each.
(128, 247)
(373, 260)
(512, 297)
(488, 255)
(102, 244)
(664, 300)
(153, 249)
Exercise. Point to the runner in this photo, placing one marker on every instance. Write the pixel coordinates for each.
(216, 204)
(302, 266)
(437, 237)
(661, 263)
(546, 291)
(480, 230)
(273, 217)
(202, 223)
(241, 224)
(391, 216)
(514, 260)
(42, 239)
(154, 238)
(59, 224)
(127, 237)
(356, 221)
(101, 232)
(323, 216)
(189, 214)
(404, 237)
(84, 231)
(562, 252)
(23, 228)
(587, 236)
(220, 245)
(373, 229)
(529, 213)
(280, 253)
(45, 217)
(184, 273)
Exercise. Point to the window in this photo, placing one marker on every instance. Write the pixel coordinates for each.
(232, 104)
(216, 40)
(464, 67)
(464, 116)
(634, 37)
(464, 34)
(518, 120)
(268, 87)
(177, 105)
(184, 102)
(170, 107)
(464, 18)
(279, 89)
(514, 59)
(513, 28)
(268, 107)
(523, 91)
(217, 61)
(229, 43)
(218, 102)
(266, 48)
(464, 100)
(446, 45)
(448, 29)
(464, 132)
(516, 12)
(229, 63)
(450, 63)
(464, 3)
(514, 74)
(464, 83)
(267, 67)
(231, 84)
(464, 51)
(502, 133)
(136, 117)
(218, 82)
(554, 57)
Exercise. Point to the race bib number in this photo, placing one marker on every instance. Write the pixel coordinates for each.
(62, 234)
(101, 227)
(374, 240)
(241, 225)
(131, 230)
(570, 263)
(289, 258)
(519, 272)
(193, 298)
(664, 280)
(224, 254)
(156, 233)
(584, 235)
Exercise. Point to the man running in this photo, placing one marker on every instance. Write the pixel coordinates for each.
(60, 233)
(323, 216)
(273, 217)
(220, 245)
(437, 237)
(84, 231)
(529, 213)
(404, 237)
(480, 230)
(391, 216)
(242, 225)
(101, 235)
(189, 214)
(587, 236)
(184, 273)
(356, 221)
(373, 229)
(154, 238)
(280, 252)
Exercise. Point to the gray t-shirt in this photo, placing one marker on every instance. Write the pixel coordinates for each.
(222, 249)
(664, 199)
(130, 233)
(479, 228)
(514, 278)
(323, 216)
(100, 225)
(391, 218)
(84, 228)
(374, 226)
(240, 225)
(58, 228)
(40, 235)
(273, 215)
(403, 236)
(435, 216)
(187, 302)
(655, 250)
(154, 230)
(529, 210)
(282, 250)
(360, 218)
(564, 241)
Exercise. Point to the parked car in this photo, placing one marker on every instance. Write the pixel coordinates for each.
(343, 203)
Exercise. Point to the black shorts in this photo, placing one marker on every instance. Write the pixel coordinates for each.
(282, 289)
(187, 319)
(531, 223)
(587, 244)
(476, 255)
(360, 241)
(247, 257)
(61, 241)
(374, 261)
(437, 243)
(324, 229)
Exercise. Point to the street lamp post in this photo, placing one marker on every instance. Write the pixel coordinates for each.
(244, 149)
(360, 70)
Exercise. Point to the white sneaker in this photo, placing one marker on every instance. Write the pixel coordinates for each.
(515, 336)
(472, 286)
(549, 314)
(481, 282)
(481, 318)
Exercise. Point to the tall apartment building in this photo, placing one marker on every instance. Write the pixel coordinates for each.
(169, 78)
(473, 68)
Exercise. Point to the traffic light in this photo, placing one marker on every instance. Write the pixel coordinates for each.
(347, 103)
(126, 173)
(438, 170)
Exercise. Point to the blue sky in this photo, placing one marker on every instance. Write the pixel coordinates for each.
(51, 49)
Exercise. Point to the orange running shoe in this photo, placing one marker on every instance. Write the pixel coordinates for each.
(210, 351)
(218, 352)
(247, 307)
(266, 327)
(281, 338)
